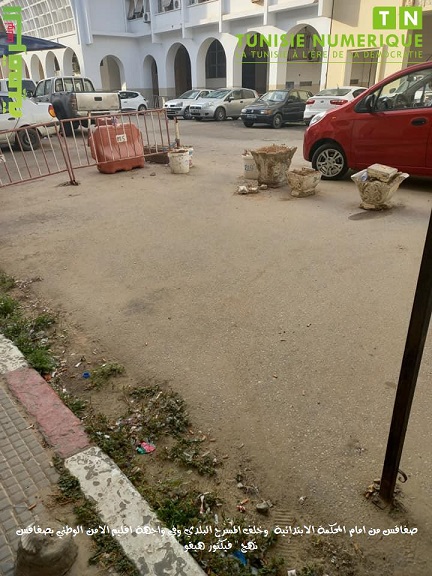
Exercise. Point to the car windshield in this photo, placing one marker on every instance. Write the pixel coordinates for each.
(190, 94)
(273, 96)
(218, 94)
(334, 92)
(26, 84)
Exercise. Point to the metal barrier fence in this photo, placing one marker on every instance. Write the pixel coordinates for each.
(32, 153)
(44, 149)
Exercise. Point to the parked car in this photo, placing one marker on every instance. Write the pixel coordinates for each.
(28, 86)
(390, 123)
(220, 104)
(32, 113)
(130, 100)
(276, 107)
(181, 106)
(75, 97)
(330, 98)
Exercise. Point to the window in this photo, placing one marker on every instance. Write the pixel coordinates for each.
(167, 5)
(58, 85)
(4, 104)
(304, 95)
(68, 84)
(409, 91)
(215, 61)
(358, 92)
(48, 84)
(236, 95)
(40, 88)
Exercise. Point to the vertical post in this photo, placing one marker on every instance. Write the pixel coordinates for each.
(177, 132)
(417, 332)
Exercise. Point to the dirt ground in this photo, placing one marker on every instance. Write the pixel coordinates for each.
(281, 321)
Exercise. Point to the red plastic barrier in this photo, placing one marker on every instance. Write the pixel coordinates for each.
(116, 147)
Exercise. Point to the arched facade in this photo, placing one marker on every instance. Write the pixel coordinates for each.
(36, 68)
(112, 73)
(178, 68)
(151, 80)
(255, 63)
(211, 64)
(70, 63)
(52, 66)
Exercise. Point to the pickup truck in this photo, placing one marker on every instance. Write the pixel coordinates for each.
(75, 97)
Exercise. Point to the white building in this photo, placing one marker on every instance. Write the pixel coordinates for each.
(164, 47)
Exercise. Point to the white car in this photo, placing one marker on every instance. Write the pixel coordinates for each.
(223, 103)
(330, 98)
(181, 105)
(131, 100)
(29, 138)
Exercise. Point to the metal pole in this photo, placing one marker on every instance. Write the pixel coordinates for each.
(417, 332)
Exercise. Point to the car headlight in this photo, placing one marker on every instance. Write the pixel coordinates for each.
(266, 112)
(206, 105)
(243, 111)
(317, 118)
(179, 103)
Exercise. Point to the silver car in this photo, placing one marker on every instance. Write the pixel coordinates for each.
(180, 106)
(223, 103)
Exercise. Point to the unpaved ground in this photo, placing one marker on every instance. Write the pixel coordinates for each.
(281, 321)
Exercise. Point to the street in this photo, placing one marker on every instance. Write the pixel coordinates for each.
(280, 320)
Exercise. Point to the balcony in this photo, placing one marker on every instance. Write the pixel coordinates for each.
(201, 12)
(167, 16)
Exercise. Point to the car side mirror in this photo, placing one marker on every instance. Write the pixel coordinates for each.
(369, 102)
(230, 99)
(290, 100)
(29, 93)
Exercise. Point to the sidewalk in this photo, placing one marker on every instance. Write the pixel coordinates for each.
(26, 473)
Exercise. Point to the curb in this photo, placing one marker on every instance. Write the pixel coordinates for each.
(153, 550)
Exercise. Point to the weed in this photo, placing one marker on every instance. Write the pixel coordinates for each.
(28, 335)
(115, 441)
(75, 405)
(187, 452)
(6, 282)
(43, 321)
(160, 412)
(102, 374)
(311, 570)
(108, 552)
(69, 486)
(8, 306)
(41, 360)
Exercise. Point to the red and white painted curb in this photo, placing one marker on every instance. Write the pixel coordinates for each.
(151, 547)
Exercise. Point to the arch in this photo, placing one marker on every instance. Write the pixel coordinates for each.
(112, 73)
(211, 64)
(303, 59)
(70, 64)
(36, 68)
(151, 80)
(52, 66)
(255, 62)
(26, 71)
(178, 68)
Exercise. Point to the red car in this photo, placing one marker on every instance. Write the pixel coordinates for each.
(390, 123)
